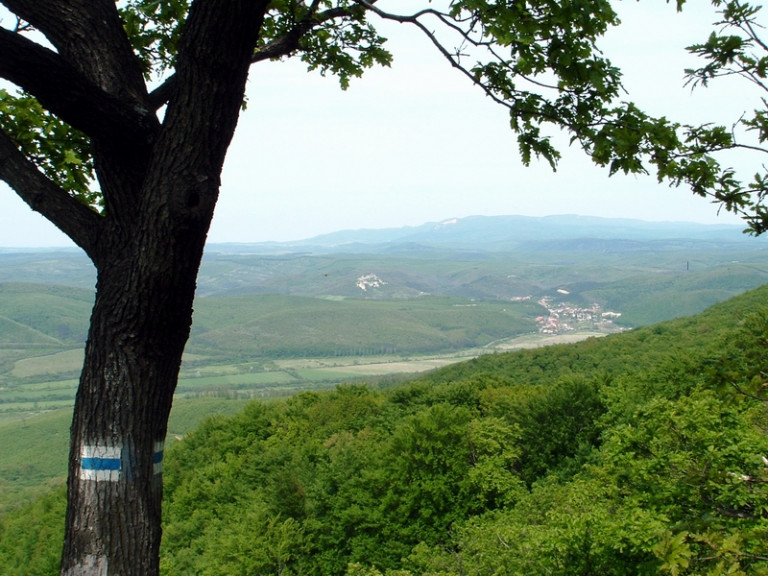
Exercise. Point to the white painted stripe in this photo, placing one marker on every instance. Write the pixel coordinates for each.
(91, 564)
(100, 475)
(100, 451)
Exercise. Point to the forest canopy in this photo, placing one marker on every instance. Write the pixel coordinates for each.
(169, 79)
(639, 453)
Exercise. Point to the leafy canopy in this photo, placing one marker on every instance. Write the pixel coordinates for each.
(538, 58)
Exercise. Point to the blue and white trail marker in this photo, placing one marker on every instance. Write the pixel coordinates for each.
(101, 463)
(157, 458)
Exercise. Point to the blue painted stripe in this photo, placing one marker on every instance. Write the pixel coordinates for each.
(100, 463)
(157, 457)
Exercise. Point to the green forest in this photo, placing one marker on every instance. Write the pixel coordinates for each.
(638, 453)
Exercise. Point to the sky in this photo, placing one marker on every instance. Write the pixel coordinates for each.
(417, 143)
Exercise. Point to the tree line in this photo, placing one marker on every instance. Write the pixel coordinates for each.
(117, 127)
(639, 453)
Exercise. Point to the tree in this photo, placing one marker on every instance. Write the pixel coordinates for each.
(131, 175)
(733, 49)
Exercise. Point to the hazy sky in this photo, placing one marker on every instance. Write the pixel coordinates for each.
(418, 143)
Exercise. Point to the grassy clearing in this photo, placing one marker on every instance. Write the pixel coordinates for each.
(26, 409)
(21, 400)
(61, 362)
(33, 455)
(539, 340)
(397, 366)
(233, 380)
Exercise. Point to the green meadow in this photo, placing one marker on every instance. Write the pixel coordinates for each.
(641, 452)
(269, 326)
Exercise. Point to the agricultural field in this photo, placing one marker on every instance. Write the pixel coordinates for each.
(271, 321)
(35, 417)
(506, 463)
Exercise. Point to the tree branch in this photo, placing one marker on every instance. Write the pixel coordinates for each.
(89, 35)
(282, 46)
(750, 30)
(39, 15)
(75, 219)
(159, 96)
(454, 58)
(68, 94)
(451, 58)
(290, 42)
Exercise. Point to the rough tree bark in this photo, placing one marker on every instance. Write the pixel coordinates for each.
(160, 183)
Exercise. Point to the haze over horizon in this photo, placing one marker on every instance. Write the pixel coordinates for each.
(418, 143)
(542, 228)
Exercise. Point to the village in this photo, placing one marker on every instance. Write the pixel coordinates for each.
(565, 317)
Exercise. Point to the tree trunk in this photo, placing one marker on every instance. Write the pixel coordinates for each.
(140, 324)
(159, 198)
(159, 182)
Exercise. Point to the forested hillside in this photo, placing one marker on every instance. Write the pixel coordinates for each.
(638, 453)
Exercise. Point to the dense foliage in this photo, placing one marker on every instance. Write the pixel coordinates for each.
(540, 60)
(641, 453)
(140, 205)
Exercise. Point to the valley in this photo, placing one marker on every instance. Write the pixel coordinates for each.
(273, 319)
(505, 463)
(335, 330)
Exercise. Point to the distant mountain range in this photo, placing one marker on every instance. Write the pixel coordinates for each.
(287, 267)
(503, 233)
(484, 233)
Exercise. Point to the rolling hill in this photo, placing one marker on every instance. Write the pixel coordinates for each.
(462, 283)
(637, 453)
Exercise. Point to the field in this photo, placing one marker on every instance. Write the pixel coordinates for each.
(271, 324)
(263, 380)
(34, 418)
(267, 325)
